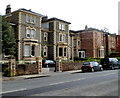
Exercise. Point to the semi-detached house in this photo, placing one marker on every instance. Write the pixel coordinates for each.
(39, 36)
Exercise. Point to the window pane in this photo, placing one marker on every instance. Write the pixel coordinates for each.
(32, 33)
(45, 36)
(28, 33)
(27, 50)
(45, 52)
(33, 19)
(46, 25)
(60, 37)
(28, 19)
(65, 51)
(33, 50)
(60, 51)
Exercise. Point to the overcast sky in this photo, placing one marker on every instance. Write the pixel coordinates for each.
(93, 13)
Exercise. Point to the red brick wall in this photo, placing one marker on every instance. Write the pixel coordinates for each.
(118, 43)
(111, 43)
(87, 43)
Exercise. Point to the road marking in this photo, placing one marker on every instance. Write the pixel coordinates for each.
(57, 83)
(80, 79)
(13, 91)
(67, 81)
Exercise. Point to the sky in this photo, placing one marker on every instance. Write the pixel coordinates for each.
(98, 14)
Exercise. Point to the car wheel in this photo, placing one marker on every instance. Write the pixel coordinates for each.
(101, 69)
(92, 70)
(112, 68)
(83, 71)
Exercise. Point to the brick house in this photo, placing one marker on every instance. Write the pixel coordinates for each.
(112, 42)
(38, 35)
(55, 38)
(89, 43)
(27, 32)
(118, 43)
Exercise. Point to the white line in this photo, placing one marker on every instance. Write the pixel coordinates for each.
(57, 83)
(12, 91)
(67, 81)
(80, 79)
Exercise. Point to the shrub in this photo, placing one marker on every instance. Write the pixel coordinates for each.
(6, 72)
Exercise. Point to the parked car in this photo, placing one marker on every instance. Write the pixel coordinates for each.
(91, 66)
(110, 63)
(48, 63)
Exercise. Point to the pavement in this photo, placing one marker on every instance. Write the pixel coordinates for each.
(22, 77)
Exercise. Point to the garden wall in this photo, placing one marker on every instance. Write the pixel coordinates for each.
(67, 66)
(25, 69)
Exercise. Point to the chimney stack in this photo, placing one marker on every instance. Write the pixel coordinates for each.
(8, 9)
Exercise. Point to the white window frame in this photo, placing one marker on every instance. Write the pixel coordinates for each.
(45, 51)
(28, 33)
(33, 19)
(28, 19)
(60, 38)
(32, 33)
(45, 36)
(82, 54)
(65, 52)
(61, 26)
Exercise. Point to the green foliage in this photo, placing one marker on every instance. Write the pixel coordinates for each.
(87, 59)
(8, 38)
(6, 72)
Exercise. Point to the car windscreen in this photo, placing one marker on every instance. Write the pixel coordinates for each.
(86, 63)
(113, 59)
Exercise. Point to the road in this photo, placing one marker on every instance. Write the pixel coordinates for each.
(101, 83)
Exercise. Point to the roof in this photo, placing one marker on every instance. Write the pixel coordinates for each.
(54, 18)
(89, 29)
(28, 11)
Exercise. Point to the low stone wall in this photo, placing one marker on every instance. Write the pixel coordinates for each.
(67, 66)
(26, 69)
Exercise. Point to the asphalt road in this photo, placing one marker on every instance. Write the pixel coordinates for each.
(101, 83)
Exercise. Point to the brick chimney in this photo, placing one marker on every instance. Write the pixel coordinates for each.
(8, 9)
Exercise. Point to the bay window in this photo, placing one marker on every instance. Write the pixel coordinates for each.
(60, 51)
(33, 50)
(27, 51)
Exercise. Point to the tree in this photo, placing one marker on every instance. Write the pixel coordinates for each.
(8, 38)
